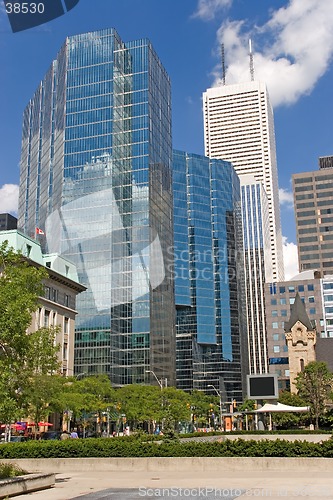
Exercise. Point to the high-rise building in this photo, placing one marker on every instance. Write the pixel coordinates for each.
(325, 162)
(239, 127)
(313, 200)
(96, 179)
(279, 298)
(211, 334)
(7, 222)
(258, 268)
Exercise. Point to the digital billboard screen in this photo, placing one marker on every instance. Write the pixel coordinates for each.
(262, 387)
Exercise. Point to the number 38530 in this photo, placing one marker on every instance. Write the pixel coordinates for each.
(24, 8)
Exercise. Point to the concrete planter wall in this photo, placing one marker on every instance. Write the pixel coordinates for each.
(193, 464)
(26, 484)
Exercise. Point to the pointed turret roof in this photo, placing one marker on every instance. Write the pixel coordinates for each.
(298, 313)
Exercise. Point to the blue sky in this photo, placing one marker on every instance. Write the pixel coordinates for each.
(293, 47)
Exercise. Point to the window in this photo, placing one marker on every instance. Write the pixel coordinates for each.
(291, 300)
(291, 289)
(286, 373)
(282, 289)
(301, 288)
(276, 348)
(274, 313)
(275, 325)
(283, 302)
(65, 352)
(276, 337)
(284, 312)
(46, 319)
(312, 310)
(310, 288)
(311, 299)
(66, 325)
(273, 302)
(67, 300)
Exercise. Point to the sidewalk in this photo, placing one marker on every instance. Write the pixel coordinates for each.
(250, 484)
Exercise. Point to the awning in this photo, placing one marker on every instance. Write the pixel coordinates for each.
(280, 408)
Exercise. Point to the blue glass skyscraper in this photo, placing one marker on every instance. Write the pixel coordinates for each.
(211, 338)
(96, 177)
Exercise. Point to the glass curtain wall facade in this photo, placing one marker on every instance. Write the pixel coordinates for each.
(96, 177)
(208, 275)
(258, 269)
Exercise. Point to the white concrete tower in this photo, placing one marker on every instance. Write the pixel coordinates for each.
(239, 127)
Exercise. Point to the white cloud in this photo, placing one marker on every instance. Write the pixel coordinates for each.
(9, 198)
(292, 50)
(286, 198)
(290, 258)
(207, 9)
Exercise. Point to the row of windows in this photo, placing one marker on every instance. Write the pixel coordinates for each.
(284, 312)
(47, 319)
(53, 294)
(325, 185)
(291, 288)
(277, 348)
(283, 301)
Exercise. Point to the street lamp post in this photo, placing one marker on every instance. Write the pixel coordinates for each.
(219, 395)
(157, 379)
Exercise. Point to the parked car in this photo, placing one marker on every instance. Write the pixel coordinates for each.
(50, 435)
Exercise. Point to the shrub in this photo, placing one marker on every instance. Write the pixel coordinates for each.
(10, 470)
(134, 447)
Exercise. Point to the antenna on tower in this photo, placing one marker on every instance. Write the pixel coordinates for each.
(223, 63)
(251, 60)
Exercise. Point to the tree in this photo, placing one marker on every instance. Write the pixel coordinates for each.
(93, 394)
(24, 358)
(201, 406)
(314, 385)
(20, 288)
(289, 420)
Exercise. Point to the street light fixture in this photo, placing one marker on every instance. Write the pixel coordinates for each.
(219, 395)
(158, 381)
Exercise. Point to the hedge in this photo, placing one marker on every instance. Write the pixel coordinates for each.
(127, 447)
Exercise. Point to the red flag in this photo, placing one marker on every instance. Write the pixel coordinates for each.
(39, 231)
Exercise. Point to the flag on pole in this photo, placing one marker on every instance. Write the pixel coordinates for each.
(39, 231)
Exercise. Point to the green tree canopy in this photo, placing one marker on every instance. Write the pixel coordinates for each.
(20, 288)
(24, 358)
(314, 386)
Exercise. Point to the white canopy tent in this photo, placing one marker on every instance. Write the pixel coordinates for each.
(279, 407)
